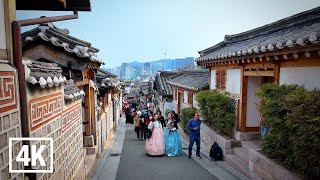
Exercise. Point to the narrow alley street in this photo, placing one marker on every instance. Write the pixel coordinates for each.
(125, 158)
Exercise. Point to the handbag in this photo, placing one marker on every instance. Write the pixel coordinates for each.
(149, 130)
(148, 133)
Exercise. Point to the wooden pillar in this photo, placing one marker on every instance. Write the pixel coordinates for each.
(243, 101)
(277, 73)
(88, 110)
(209, 77)
(178, 103)
(9, 16)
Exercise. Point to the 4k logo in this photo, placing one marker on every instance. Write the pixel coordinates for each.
(36, 155)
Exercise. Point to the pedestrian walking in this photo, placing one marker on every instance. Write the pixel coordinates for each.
(128, 115)
(143, 128)
(172, 137)
(175, 116)
(155, 144)
(161, 118)
(194, 135)
(137, 123)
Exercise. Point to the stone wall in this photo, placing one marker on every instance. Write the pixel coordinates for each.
(10, 125)
(261, 167)
(104, 126)
(50, 116)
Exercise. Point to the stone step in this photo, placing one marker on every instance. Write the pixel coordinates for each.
(237, 164)
(251, 144)
(242, 154)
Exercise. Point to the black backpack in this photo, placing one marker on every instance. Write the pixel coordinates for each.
(216, 152)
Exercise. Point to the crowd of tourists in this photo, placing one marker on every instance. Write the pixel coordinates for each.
(161, 133)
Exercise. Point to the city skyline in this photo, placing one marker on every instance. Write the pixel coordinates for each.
(134, 70)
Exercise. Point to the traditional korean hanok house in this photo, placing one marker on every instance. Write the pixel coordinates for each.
(285, 52)
(60, 70)
(110, 93)
(163, 91)
(185, 84)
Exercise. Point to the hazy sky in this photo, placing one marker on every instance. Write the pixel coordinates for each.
(143, 30)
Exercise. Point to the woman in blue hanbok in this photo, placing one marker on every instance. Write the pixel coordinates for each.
(172, 137)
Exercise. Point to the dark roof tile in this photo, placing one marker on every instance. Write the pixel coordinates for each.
(299, 29)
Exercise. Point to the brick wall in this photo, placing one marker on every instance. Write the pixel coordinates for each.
(10, 125)
(50, 116)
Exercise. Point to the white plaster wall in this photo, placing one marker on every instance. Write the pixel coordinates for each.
(233, 81)
(2, 27)
(213, 79)
(175, 106)
(185, 96)
(253, 114)
(169, 105)
(195, 103)
(307, 76)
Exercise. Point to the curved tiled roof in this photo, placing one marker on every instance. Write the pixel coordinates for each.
(192, 80)
(295, 31)
(72, 92)
(61, 38)
(161, 84)
(45, 74)
(107, 80)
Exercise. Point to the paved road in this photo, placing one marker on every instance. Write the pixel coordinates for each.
(135, 164)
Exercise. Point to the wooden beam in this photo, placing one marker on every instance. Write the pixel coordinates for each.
(82, 83)
(260, 65)
(259, 73)
(252, 129)
(243, 101)
(303, 62)
(88, 104)
(277, 73)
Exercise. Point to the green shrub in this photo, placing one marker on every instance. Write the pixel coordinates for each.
(304, 119)
(291, 114)
(185, 115)
(275, 143)
(201, 98)
(217, 109)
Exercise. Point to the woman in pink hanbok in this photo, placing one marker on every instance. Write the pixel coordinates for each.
(155, 144)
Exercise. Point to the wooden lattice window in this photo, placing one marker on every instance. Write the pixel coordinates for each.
(221, 79)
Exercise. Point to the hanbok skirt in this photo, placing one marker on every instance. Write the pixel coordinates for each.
(155, 145)
(172, 142)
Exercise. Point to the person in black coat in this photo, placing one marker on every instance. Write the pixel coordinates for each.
(161, 119)
(128, 115)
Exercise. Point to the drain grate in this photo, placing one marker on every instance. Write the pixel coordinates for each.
(115, 154)
(185, 148)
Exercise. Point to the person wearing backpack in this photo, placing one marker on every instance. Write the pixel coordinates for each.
(216, 152)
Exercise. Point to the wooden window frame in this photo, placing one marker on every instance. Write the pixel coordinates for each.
(221, 79)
